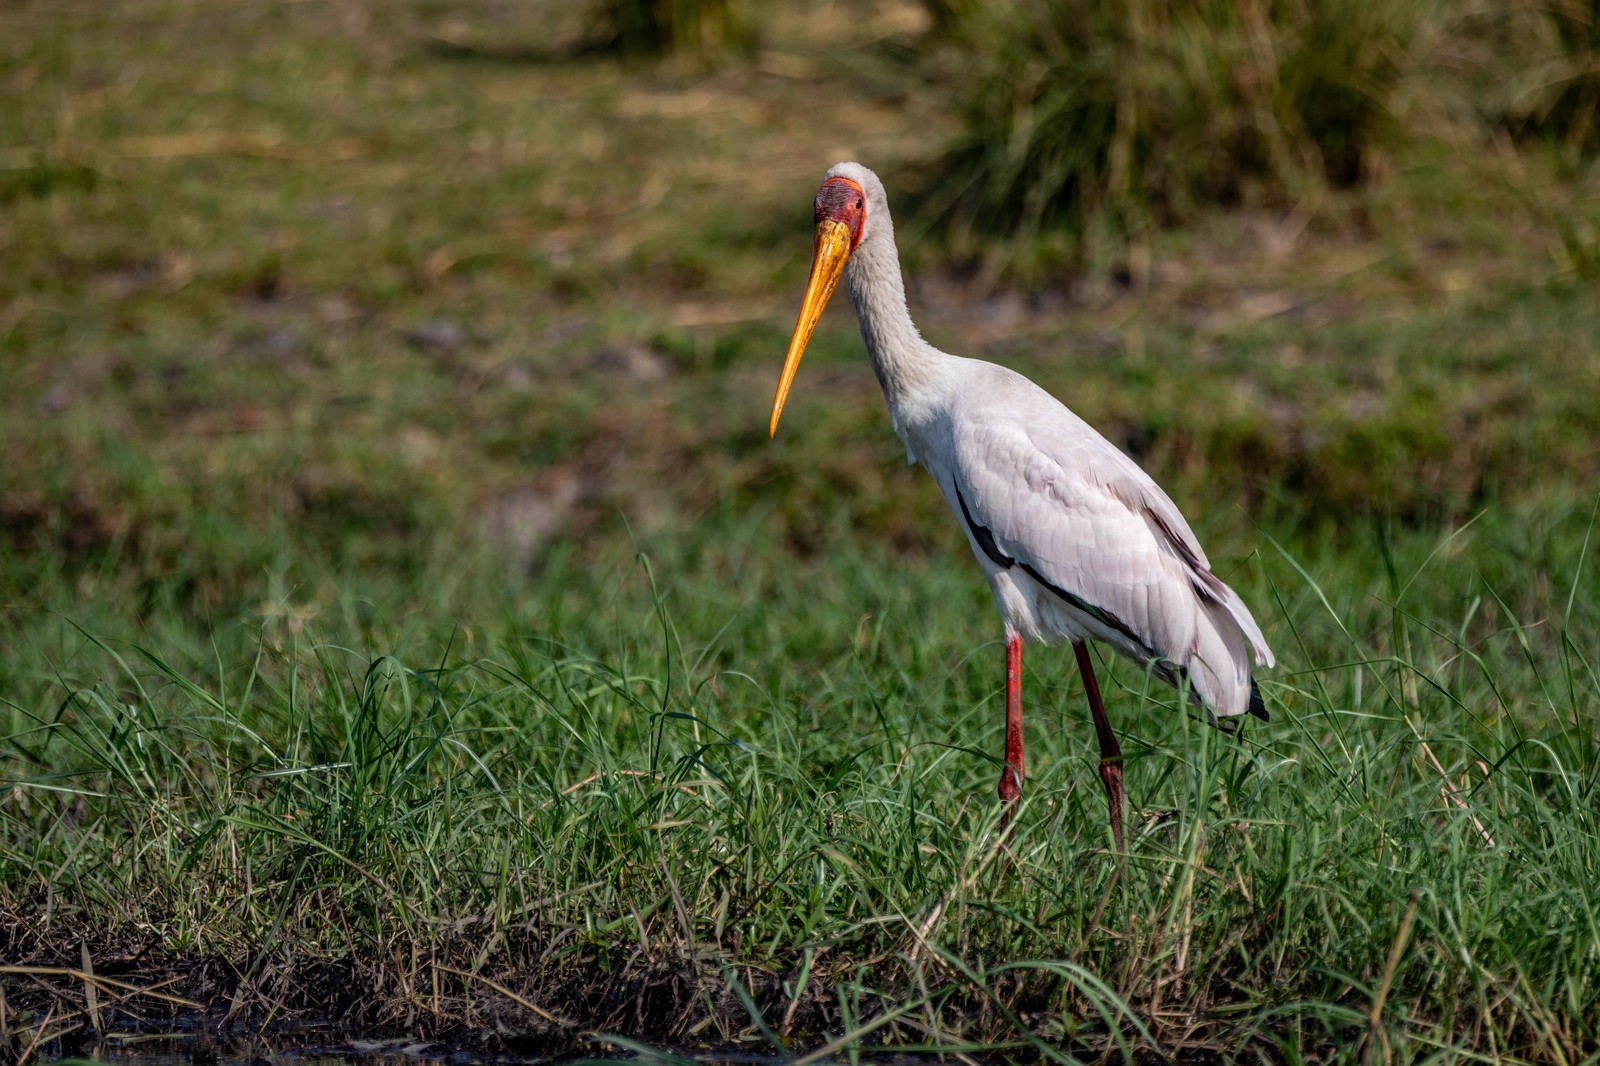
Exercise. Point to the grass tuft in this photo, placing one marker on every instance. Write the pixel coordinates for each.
(1087, 123)
(1549, 73)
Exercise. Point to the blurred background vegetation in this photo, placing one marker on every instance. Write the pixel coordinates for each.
(298, 290)
(1086, 121)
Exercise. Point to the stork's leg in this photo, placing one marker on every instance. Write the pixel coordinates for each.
(1011, 773)
(1110, 753)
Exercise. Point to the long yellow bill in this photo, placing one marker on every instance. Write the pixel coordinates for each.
(827, 264)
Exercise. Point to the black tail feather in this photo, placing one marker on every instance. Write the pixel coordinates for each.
(1258, 706)
(1178, 677)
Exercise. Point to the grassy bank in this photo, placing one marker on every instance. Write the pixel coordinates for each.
(706, 817)
(405, 621)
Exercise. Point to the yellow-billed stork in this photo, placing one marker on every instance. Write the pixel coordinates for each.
(1077, 542)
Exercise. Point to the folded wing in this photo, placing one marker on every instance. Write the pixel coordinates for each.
(1083, 520)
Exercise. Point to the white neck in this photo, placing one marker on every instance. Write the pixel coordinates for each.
(900, 357)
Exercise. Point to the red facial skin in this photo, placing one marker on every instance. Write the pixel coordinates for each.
(841, 200)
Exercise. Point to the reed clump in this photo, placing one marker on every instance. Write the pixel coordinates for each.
(1086, 123)
(1088, 120)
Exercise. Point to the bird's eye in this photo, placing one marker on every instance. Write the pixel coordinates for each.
(859, 205)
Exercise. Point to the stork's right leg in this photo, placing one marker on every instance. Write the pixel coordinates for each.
(1011, 773)
(1110, 752)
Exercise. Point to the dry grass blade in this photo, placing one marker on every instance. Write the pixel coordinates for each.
(1396, 950)
(107, 984)
(519, 1000)
(41, 1035)
(1448, 791)
(91, 994)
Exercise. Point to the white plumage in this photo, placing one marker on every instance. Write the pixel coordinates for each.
(1078, 543)
(1077, 516)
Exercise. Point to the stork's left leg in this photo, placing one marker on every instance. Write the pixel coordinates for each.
(1110, 752)
(1011, 773)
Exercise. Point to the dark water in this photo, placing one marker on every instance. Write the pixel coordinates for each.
(194, 1051)
(326, 1050)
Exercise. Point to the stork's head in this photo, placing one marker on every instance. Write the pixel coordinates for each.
(849, 205)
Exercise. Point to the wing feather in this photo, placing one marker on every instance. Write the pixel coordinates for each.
(1085, 520)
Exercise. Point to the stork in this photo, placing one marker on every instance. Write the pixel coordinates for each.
(1077, 542)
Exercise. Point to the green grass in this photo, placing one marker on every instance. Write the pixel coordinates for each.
(399, 593)
(692, 790)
